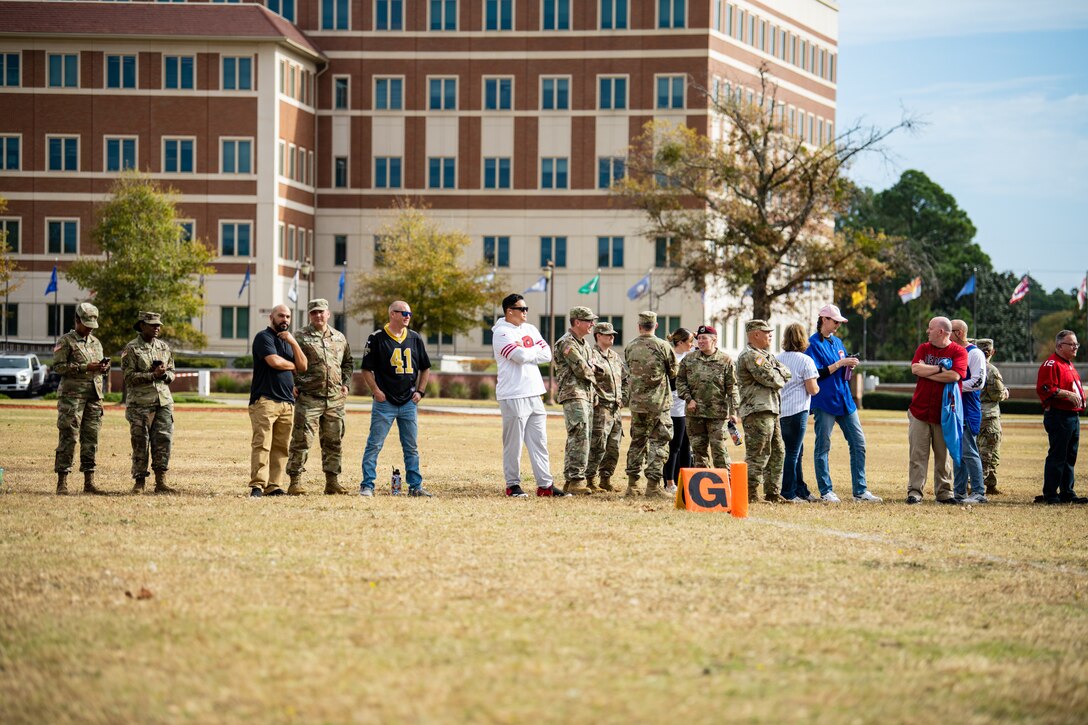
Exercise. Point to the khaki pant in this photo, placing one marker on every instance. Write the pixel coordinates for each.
(922, 437)
(272, 422)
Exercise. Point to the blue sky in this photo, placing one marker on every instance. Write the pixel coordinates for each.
(1003, 88)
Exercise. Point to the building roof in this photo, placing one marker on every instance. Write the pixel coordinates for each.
(206, 21)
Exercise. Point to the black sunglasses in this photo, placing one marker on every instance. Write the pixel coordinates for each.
(520, 309)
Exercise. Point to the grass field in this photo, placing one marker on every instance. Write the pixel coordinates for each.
(474, 607)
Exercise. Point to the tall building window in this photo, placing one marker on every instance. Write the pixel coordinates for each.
(667, 324)
(63, 70)
(186, 230)
(670, 13)
(443, 94)
(666, 252)
(285, 8)
(120, 71)
(443, 14)
(340, 250)
(717, 15)
(554, 93)
(387, 172)
(388, 94)
(497, 172)
(614, 14)
(617, 325)
(10, 76)
(63, 153)
(497, 251)
(670, 92)
(178, 72)
(498, 94)
(62, 236)
(389, 14)
(610, 169)
(558, 323)
(334, 14)
(234, 239)
(612, 93)
(237, 156)
(553, 173)
(340, 173)
(555, 15)
(609, 251)
(234, 323)
(441, 172)
(177, 155)
(553, 249)
(61, 319)
(340, 100)
(238, 73)
(11, 321)
(10, 155)
(10, 228)
(120, 154)
(499, 15)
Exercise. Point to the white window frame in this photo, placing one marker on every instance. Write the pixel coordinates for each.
(626, 91)
(79, 71)
(456, 92)
(456, 18)
(252, 74)
(48, 220)
(374, 14)
(513, 17)
(600, 15)
(162, 151)
(106, 155)
(179, 56)
(17, 245)
(571, 9)
(684, 97)
(79, 152)
(672, 26)
(483, 94)
(252, 239)
(570, 93)
(106, 72)
(3, 151)
(347, 89)
(190, 222)
(252, 155)
(374, 93)
(4, 73)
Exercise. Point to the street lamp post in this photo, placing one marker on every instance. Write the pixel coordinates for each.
(549, 275)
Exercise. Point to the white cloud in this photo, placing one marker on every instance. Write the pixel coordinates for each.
(863, 22)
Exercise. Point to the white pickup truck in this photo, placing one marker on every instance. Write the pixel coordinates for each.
(22, 374)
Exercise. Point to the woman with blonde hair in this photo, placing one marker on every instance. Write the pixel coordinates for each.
(796, 399)
(682, 340)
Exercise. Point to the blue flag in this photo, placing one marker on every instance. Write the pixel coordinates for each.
(343, 280)
(541, 285)
(639, 289)
(245, 282)
(52, 283)
(968, 287)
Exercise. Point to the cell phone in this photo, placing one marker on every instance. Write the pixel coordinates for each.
(156, 364)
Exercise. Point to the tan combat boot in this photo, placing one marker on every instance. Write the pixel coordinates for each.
(576, 488)
(296, 489)
(62, 484)
(653, 490)
(632, 487)
(138, 484)
(591, 484)
(88, 483)
(332, 485)
(606, 483)
(160, 483)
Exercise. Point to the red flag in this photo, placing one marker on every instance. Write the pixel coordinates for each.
(1021, 291)
(1082, 292)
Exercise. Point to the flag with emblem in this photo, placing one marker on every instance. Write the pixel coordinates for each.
(52, 283)
(1021, 290)
(911, 290)
(639, 289)
(591, 286)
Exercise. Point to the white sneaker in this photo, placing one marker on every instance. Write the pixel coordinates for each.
(974, 498)
(830, 497)
(671, 489)
(869, 497)
(812, 498)
(797, 499)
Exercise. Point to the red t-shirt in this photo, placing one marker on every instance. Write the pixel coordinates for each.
(1057, 373)
(926, 404)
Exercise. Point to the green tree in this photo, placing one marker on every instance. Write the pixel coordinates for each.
(147, 265)
(422, 264)
(752, 211)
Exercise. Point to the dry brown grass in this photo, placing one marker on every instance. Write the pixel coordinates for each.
(473, 607)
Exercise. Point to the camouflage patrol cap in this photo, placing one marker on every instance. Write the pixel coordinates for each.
(582, 313)
(604, 328)
(753, 325)
(87, 314)
(150, 318)
(985, 344)
(318, 304)
(647, 317)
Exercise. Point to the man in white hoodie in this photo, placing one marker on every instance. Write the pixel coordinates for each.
(520, 349)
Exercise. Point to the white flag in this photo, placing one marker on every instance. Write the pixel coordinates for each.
(292, 294)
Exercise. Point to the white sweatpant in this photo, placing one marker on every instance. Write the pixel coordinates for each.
(524, 420)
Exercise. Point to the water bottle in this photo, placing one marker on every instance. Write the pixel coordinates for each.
(734, 433)
(394, 485)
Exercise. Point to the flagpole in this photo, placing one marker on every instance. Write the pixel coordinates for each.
(56, 304)
(249, 298)
(651, 276)
(598, 290)
(978, 327)
(1031, 332)
(344, 298)
(549, 295)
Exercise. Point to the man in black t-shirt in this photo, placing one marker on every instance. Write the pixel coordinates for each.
(395, 368)
(276, 358)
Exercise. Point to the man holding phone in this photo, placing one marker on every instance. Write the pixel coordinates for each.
(79, 361)
(148, 366)
(276, 358)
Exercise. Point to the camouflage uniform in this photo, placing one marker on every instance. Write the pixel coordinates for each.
(989, 435)
(651, 362)
(319, 408)
(576, 380)
(612, 391)
(711, 381)
(79, 398)
(762, 378)
(149, 406)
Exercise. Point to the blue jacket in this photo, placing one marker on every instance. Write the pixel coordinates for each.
(834, 396)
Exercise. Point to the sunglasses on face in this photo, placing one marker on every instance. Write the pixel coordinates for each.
(403, 313)
(520, 309)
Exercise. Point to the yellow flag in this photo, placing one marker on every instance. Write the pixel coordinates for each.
(859, 296)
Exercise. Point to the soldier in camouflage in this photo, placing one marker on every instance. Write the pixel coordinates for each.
(612, 392)
(652, 363)
(576, 377)
(989, 435)
(148, 367)
(320, 396)
(79, 361)
(762, 378)
(707, 380)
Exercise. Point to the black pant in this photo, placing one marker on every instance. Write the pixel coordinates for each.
(679, 449)
(1063, 429)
